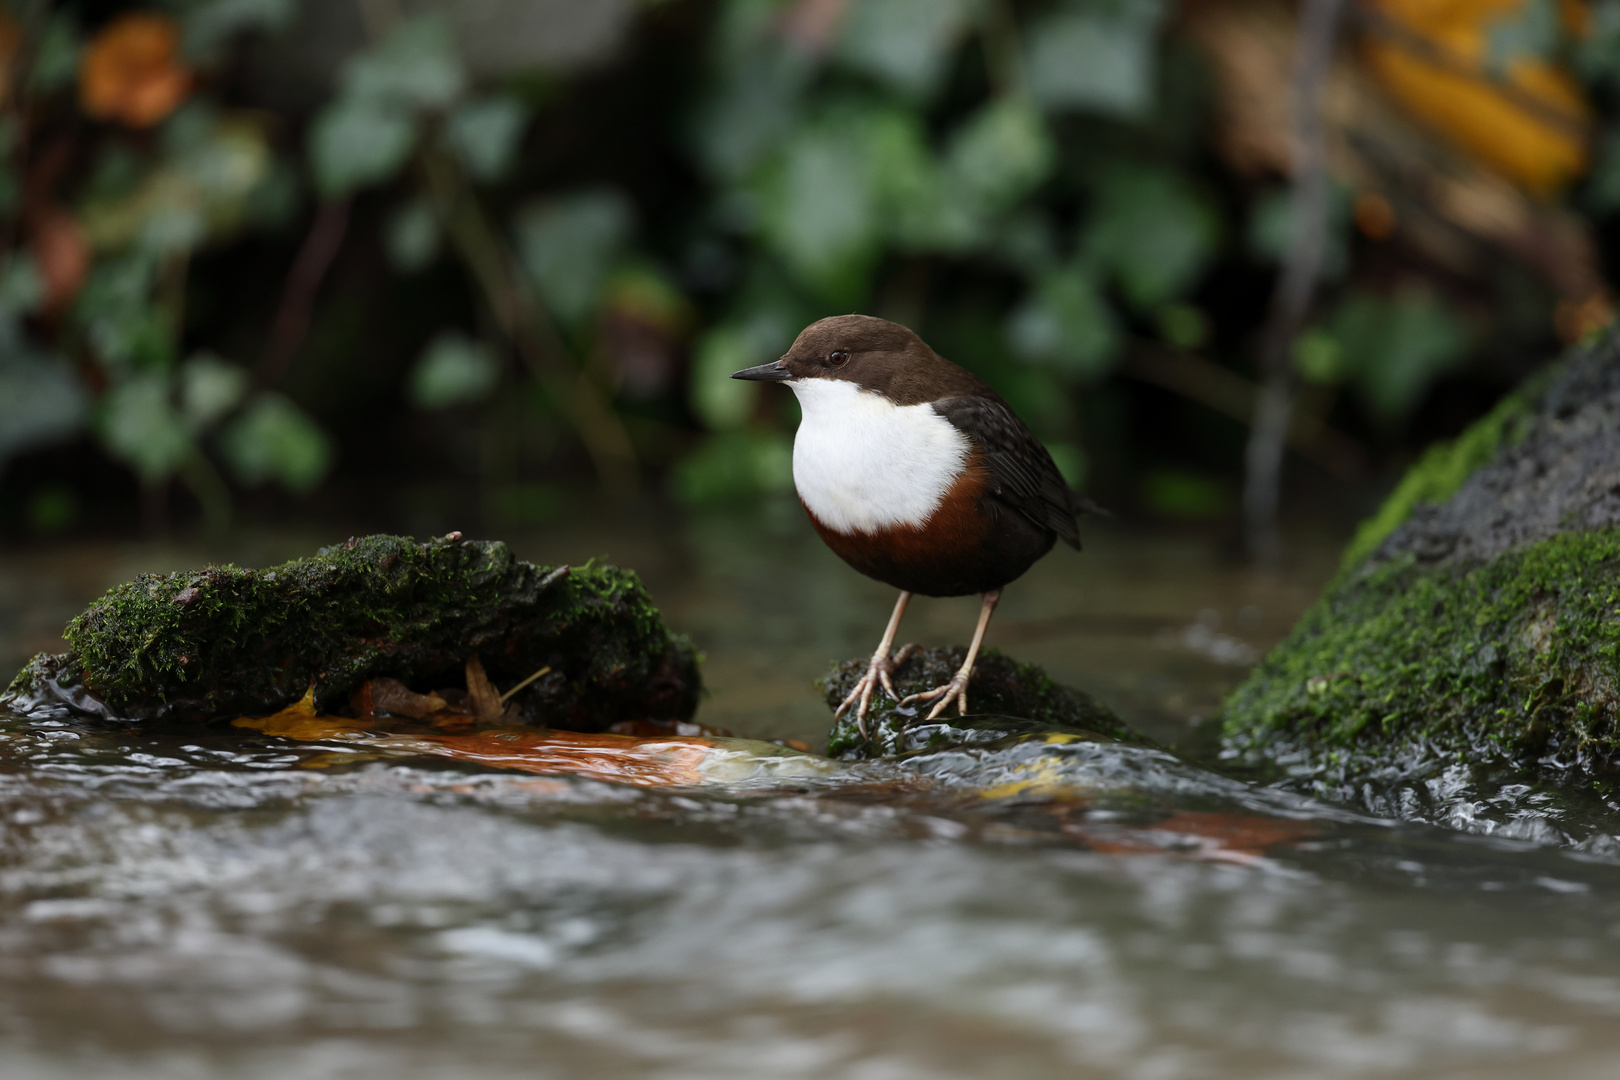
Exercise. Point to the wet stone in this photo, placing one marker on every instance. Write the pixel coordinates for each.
(1467, 658)
(225, 641)
(1006, 699)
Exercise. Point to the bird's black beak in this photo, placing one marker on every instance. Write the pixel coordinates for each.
(774, 371)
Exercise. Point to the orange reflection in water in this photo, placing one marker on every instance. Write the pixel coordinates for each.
(622, 759)
(1205, 834)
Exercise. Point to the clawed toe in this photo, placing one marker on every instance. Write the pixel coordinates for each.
(942, 696)
(879, 673)
(892, 664)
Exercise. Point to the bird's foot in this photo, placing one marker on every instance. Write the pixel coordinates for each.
(942, 696)
(880, 672)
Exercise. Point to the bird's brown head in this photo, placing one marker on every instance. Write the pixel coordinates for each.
(875, 354)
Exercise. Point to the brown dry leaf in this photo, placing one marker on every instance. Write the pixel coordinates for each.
(393, 696)
(131, 71)
(484, 698)
(61, 254)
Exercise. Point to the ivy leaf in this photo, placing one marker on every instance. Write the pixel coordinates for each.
(735, 464)
(355, 143)
(41, 398)
(454, 369)
(848, 182)
(904, 42)
(1001, 152)
(1096, 60)
(569, 245)
(412, 236)
(414, 67)
(22, 288)
(484, 135)
(1152, 230)
(56, 56)
(211, 25)
(1066, 324)
(275, 440)
(754, 108)
(819, 210)
(1393, 348)
(210, 388)
(721, 402)
(141, 427)
(123, 326)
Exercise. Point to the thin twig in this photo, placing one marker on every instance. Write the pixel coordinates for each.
(210, 491)
(1224, 391)
(529, 329)
(1296, 282)
(543, 671)
(309, 269)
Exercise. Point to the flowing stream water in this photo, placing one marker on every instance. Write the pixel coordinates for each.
(226, 902)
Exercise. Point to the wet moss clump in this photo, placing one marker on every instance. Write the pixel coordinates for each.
(1006, 698)
(1476, 624)
(226, 641)
(1514, 660)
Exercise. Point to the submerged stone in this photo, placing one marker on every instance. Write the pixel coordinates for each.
(1471, 643)
(226, 641)
(1007, 699)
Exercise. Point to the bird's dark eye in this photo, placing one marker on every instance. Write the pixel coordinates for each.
(838, 358)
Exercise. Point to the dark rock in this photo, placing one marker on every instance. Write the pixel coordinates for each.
(224, 641)
(1472, 639)
(1006, 698)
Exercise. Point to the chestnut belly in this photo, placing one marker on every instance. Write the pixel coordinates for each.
(969, 545)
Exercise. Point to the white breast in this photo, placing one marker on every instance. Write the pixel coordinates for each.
(862, 463)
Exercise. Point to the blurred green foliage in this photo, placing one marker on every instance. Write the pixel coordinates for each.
(1032, 185)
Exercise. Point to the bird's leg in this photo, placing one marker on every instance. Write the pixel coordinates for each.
(956, 689)
(879, 671)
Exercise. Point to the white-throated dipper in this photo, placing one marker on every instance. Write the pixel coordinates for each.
(917, 474)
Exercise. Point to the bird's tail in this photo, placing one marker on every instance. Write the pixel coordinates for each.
(1085, 506)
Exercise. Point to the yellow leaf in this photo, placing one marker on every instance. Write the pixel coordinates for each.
(1533, 133)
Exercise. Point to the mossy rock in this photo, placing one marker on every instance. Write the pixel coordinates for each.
(1476, 622)
(225, 641)
(1006, 698)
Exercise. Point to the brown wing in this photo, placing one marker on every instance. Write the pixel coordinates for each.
(1022, 473)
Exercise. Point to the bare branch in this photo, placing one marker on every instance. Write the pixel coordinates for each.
(1297, 280)
(309, 269)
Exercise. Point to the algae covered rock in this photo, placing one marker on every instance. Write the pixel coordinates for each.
(1007, 699)
(226, 641)
(1475, 627)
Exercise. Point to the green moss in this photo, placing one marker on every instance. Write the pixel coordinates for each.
(229, 641)
(1006, 698)
(1515, 661)
(1442, 470)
